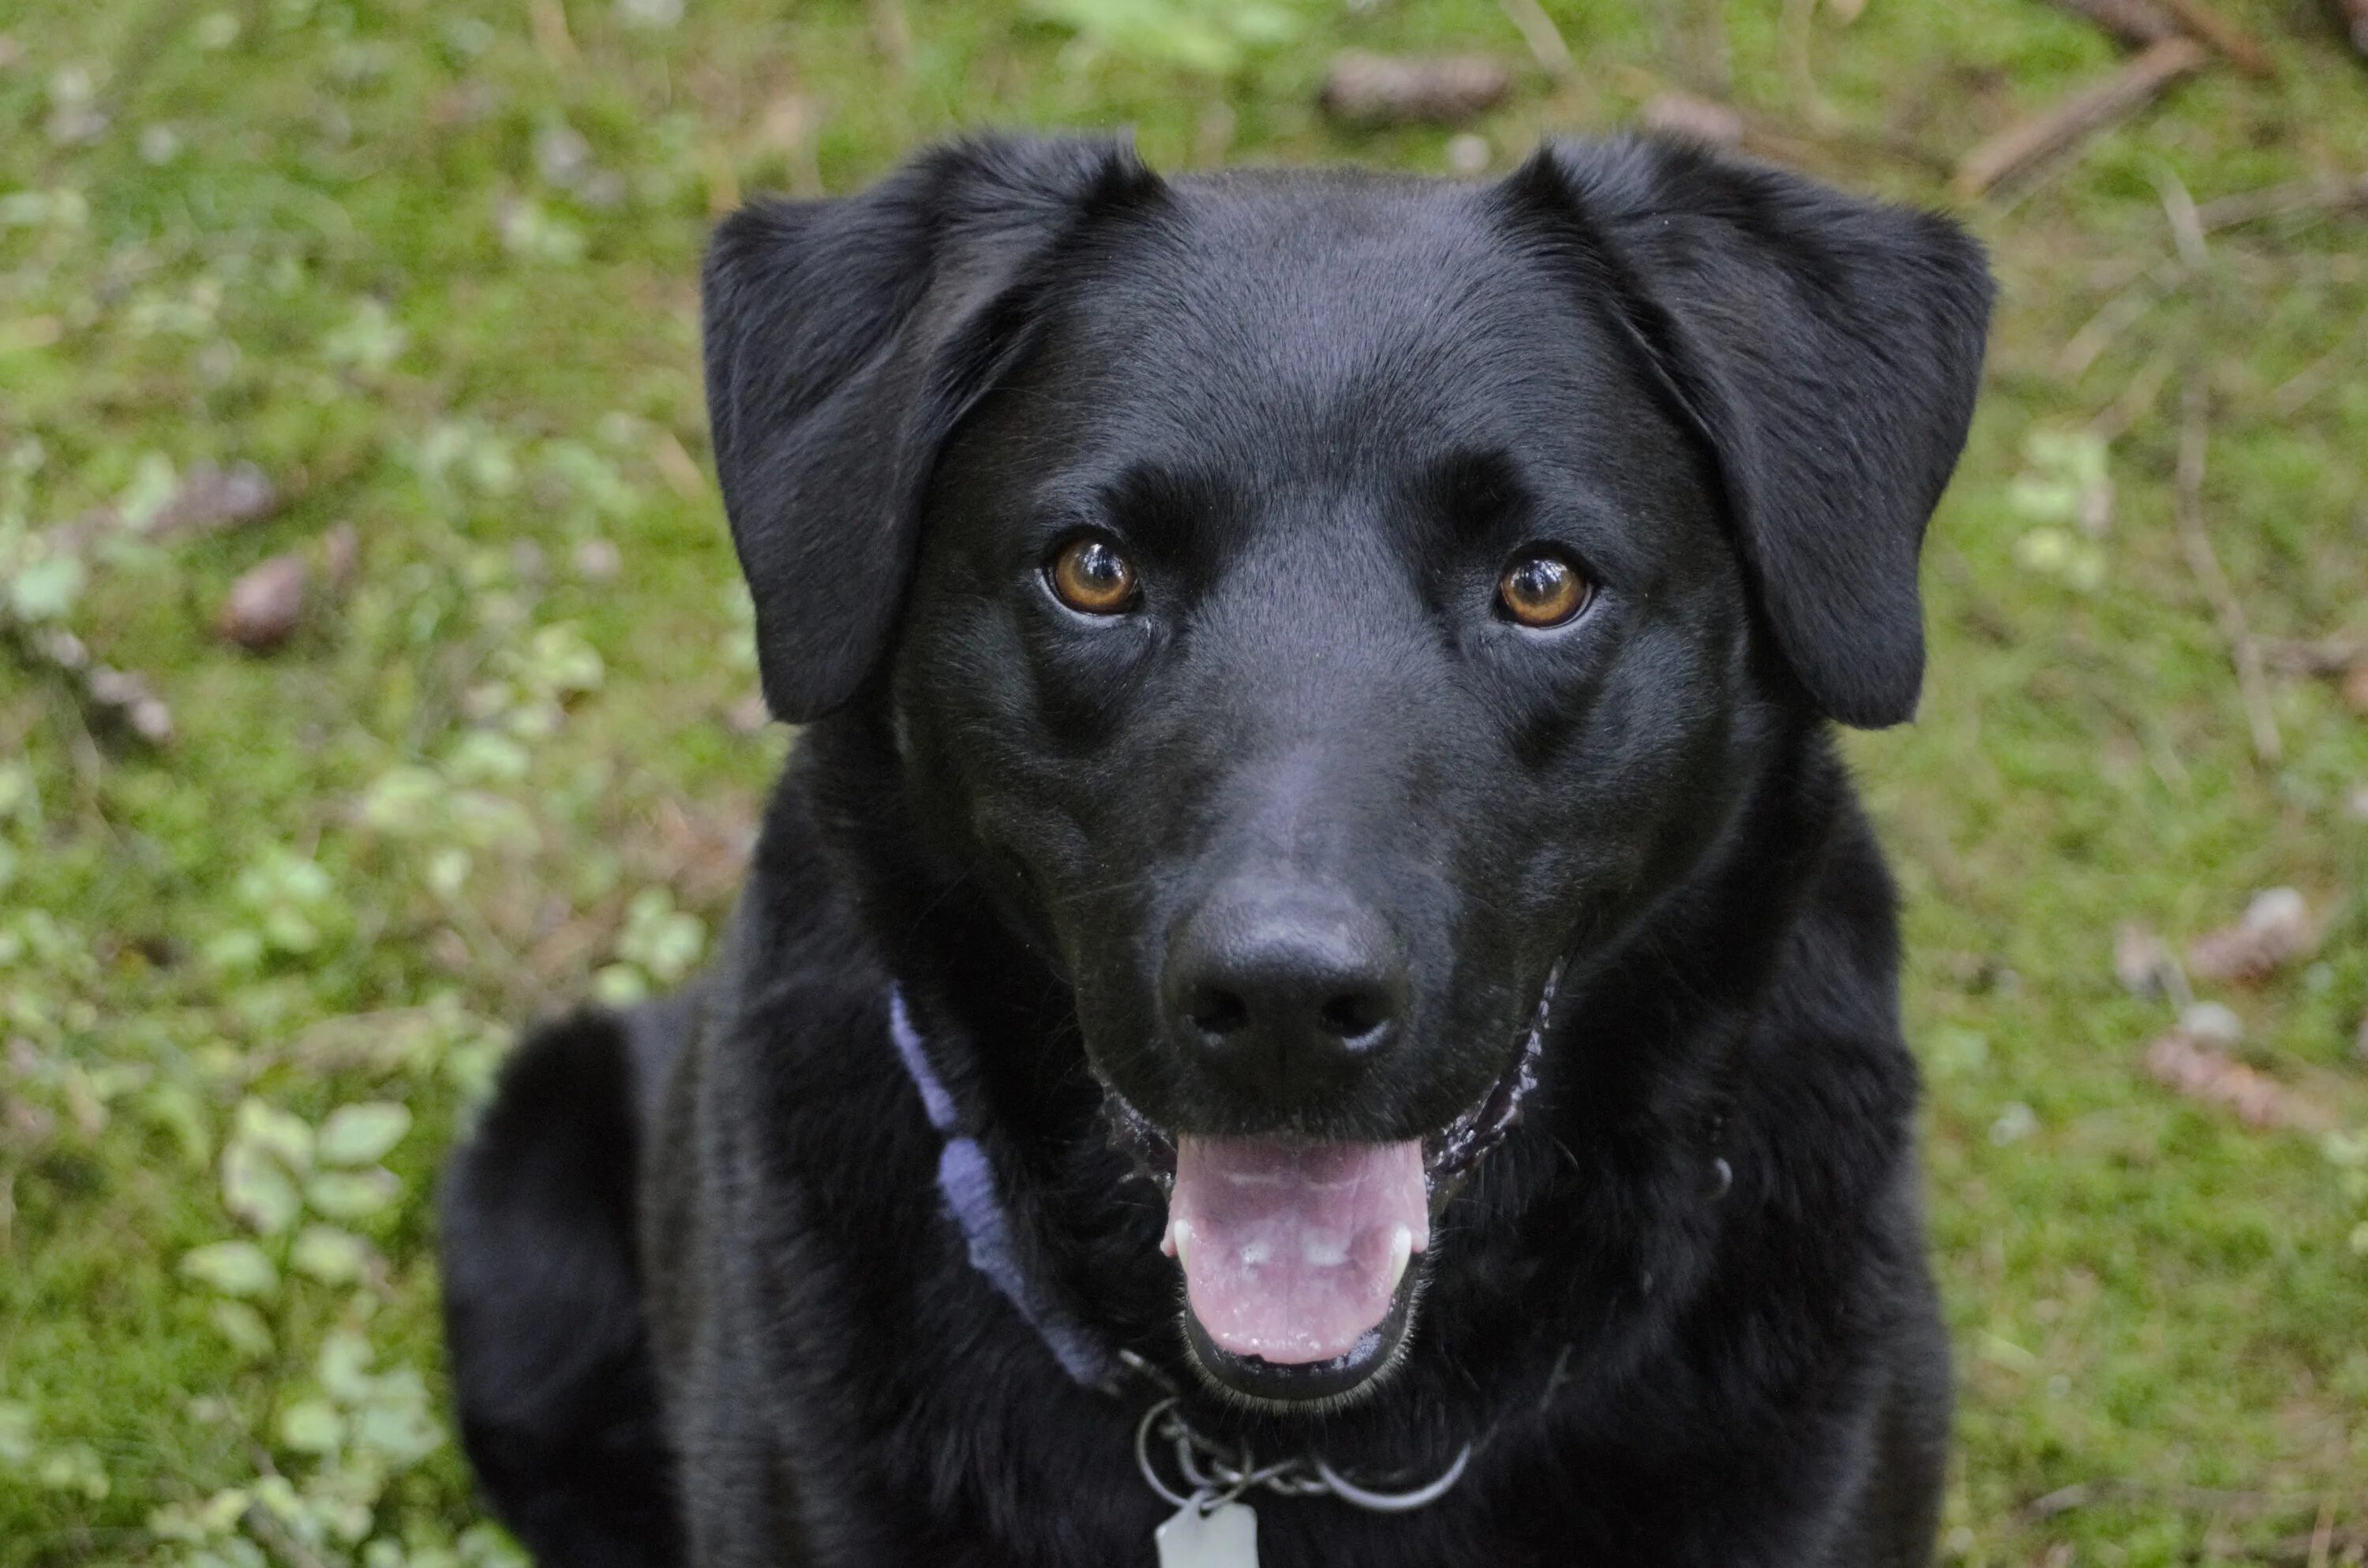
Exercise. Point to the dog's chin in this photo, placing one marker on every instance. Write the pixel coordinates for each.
(1245, 1207)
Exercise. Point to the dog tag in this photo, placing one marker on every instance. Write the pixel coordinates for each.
(1224, 1536)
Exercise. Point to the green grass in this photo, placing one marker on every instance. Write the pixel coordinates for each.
(359, 244)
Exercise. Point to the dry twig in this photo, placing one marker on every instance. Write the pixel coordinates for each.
(2137, 399)
(2140, 23)
(2275, 931)
(2194, 435)
(2186, 224)
(548, 21)
(1538, 30)
(2212, 1076)
(2135, 22)
(2325, 656)
(2353, 16)
(2240, 1504)
(2324, 194)
(1797, 32)
(1364, 89)
(2022, 146)
(1719, 124)
(2118, 315)
(119, 698)
(892, 35)
(2201, 21)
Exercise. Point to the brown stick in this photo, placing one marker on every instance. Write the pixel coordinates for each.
(1364, 89)
(1545, 40)
(2277, 200)
(2135, 22)
(2230, 40)
(2325, 656)
(1672, 112)
(2354, 16)
(2137, 83)
(2251, 684)
(118, 698)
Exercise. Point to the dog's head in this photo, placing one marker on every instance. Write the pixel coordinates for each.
(1319, 605)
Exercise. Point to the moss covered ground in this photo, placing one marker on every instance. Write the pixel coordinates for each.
(429, 266)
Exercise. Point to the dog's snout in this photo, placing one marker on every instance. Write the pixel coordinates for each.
(1281, 991)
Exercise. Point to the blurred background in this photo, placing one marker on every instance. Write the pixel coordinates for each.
(374, 672)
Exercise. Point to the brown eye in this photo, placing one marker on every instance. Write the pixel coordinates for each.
(1542, 590)
(1089, 575)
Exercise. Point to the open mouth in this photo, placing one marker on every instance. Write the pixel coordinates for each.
(1302, 1259)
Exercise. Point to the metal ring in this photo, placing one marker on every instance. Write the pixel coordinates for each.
(1143, 1453)
(1393, 1501)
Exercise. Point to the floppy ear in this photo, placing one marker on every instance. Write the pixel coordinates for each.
(1827, 348)
(846, 340)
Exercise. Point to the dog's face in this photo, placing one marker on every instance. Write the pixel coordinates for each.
(1319, 607)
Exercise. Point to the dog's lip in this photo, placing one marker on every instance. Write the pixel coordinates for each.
(1450, 1154)
(1260, 1383)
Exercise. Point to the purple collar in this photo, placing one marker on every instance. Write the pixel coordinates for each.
(966, 1182)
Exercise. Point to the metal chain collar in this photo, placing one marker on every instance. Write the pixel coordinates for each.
(1217, 1476)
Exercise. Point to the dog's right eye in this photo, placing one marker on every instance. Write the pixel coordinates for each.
(1090, 576)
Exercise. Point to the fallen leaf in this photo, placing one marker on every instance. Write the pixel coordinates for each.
(749, 715)
(2211, 1024)
(2181, 1063)
(1697, 119)
(2274, 931)
(1364, 89)
(2355, 683)
(265, 603)
(210, 499)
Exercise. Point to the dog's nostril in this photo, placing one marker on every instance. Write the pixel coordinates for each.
(1219, 1012)
(1352, 1015)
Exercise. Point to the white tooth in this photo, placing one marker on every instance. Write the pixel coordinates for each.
(1179, 1237)
(1401, 1253)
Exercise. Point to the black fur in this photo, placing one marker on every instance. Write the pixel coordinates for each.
(1682, 1314)
(542, 1302)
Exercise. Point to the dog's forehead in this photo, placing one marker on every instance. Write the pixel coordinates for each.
(1357, 315)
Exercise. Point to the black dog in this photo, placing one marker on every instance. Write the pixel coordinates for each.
(1316, 915)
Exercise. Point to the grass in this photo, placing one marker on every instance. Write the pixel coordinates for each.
(430, 264)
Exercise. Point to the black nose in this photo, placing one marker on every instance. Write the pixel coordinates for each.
(1282, 990)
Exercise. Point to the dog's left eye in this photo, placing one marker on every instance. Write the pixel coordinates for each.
(1542, 590)
(1090, 575)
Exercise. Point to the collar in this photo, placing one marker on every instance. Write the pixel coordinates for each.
(966, 1182)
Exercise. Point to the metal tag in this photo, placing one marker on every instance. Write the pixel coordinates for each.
(1224, 1536)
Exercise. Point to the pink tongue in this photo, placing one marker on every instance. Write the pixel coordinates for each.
(1291, 1249)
